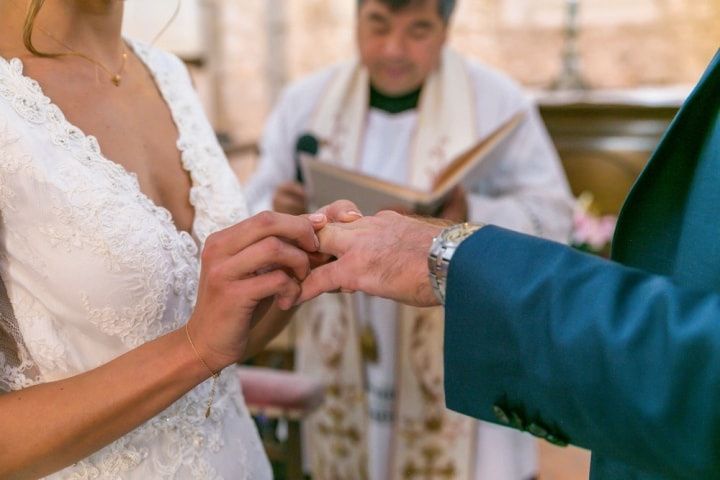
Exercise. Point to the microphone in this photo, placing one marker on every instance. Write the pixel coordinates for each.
(308, 144)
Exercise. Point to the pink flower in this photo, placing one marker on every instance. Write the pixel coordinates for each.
(596, 232)
(592, 230)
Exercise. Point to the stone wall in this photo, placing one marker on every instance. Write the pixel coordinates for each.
(623, 43)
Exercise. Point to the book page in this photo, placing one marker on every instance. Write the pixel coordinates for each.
(327, 183)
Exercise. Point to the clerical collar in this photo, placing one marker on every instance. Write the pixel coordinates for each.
(398, 104)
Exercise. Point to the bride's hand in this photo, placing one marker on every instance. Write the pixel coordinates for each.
(340, 211)
(261, 258)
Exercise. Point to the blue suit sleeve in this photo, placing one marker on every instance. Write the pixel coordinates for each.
(609, 358)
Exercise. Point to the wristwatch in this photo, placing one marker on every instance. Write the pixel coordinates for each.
(441, 252)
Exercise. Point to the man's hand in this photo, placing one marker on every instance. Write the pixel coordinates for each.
(383, 255)
(290, 198)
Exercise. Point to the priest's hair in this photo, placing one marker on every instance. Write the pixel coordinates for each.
(445, 7)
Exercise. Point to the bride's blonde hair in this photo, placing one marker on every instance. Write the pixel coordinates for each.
(33, 10)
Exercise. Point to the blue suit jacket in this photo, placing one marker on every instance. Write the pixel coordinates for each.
(620, 358)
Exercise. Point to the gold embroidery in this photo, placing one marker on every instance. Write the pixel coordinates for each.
(330, 348)
(431, 442)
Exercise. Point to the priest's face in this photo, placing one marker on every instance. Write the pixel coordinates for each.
(400, 48)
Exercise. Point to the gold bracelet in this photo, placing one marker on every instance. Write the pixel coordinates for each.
(214, 375)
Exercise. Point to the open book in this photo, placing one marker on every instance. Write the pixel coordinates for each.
(327, 183)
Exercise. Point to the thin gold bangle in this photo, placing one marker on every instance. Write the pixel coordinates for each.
(214, 375)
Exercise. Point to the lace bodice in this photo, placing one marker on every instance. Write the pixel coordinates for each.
(93, 268)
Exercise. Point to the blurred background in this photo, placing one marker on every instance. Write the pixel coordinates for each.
(636, 58)
(608, 76)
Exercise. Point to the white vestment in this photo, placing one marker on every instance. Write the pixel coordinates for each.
(93, 268)
(520, 186)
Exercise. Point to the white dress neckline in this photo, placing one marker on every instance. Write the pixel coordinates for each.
(92, 146)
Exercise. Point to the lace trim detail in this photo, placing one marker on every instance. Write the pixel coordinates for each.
(192, 435)
(201, 153)
(46, 344)
(14, 378)
(30, 102)
(10, 164)
(27, 98)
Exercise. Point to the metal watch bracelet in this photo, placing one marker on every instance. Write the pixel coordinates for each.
(441, 252)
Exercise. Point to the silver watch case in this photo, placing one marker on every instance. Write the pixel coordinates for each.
(441, 252)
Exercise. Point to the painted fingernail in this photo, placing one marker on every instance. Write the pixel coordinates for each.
(317, 217)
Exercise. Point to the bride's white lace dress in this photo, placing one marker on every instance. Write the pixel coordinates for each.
(92, 268)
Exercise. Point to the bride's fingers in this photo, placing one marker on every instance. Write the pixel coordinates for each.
(276, 284)
(269, 253)
(343, 211)
(296, 229)
(318, 220)
(327, 278)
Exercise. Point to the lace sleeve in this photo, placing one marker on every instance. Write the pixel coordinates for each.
(17, 369)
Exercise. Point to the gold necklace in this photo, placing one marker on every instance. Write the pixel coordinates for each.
(115, 77)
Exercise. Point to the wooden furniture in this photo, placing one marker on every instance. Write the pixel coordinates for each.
(604, 138)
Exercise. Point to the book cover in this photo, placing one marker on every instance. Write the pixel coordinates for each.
(327, 183)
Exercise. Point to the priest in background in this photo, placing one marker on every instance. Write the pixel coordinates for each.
(401, 111)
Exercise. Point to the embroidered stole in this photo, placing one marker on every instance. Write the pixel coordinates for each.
(429, 441)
